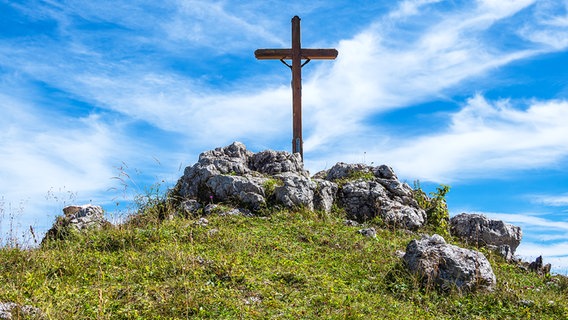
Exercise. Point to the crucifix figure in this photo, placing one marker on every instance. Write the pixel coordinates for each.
(296, 54)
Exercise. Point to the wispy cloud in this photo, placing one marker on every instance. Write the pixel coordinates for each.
(558, 200)
(376, 72)
(488, 137)
(221, 28)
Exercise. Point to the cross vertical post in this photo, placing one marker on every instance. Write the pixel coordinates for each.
(296, 54)
(297, 142)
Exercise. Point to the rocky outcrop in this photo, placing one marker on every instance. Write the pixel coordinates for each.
(479, 230)
(537, 266)
(235, 175)
(377, 192)
(447, 266)
(77, 219)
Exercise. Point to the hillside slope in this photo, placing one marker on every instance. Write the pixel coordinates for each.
(289, 264)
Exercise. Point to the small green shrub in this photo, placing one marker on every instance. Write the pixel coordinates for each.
(436, 208)
(270, 185)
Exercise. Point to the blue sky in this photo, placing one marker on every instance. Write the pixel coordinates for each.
(473, 94)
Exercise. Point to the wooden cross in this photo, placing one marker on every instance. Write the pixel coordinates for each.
(297, 54)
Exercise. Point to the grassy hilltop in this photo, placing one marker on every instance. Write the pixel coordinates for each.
(285, 265)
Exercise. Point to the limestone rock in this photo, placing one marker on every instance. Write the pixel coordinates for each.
(479, 230)
(368, 232)
(202, 222)
(384, 172)
(77, 218)
(274, 162)
(325, 194)
(364, 200)
(246, 190)
(10, 310)
(225, 211)
(345, 170)
(538, 267)
(351, 223)
(448, 266)
(236, 176)
(228, 160)
(296, 191)
(191, 206)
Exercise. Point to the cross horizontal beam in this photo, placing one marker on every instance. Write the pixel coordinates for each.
(312, 54)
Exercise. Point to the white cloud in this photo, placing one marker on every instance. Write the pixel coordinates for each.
(212, 24)
(530, 220)
(558, 200)
(409, 8)
(43, 152)
(487, 137)
(378, 70)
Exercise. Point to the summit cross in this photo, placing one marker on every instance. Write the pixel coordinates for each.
(296, 54)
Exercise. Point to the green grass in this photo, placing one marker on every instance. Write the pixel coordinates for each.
(289, 265)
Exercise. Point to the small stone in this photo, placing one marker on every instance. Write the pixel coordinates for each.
(210, 208)
(351, 223)
(526, 303)
(191, 206)
(368, 232)
(202, 222)
(399, 253)
(253, 300)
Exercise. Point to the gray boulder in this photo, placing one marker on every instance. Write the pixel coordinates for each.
(362, 199)
(479, 230)
(367, 192)
(447, 266)
(77, 219)
(384, 172)
(247, 190)
(191, 207)
(232, 159)
(296, 191)
(274, 162)
(325, 194)
(345, 171)
(365, 200)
